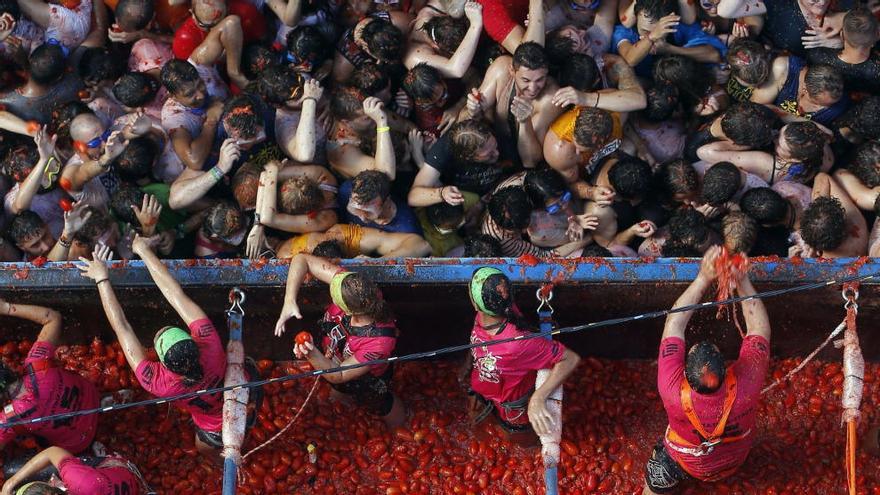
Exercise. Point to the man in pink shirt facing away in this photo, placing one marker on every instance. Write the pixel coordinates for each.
(711, 409)
(46, 389)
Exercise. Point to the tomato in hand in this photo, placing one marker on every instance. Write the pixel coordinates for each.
(303, 337)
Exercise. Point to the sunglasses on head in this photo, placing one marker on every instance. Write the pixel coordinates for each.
(94, 143)
(577, 6)
(559, 204)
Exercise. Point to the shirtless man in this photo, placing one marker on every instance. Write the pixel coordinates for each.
(517, 96)
(832, 226)
(355, 241)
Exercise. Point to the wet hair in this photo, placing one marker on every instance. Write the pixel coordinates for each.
(299, 195)
(689, 227)
(704, 368)
(277, 84)
(134, 14)
(721, 183)
(182, 358)
(47, 64)
(655, 9)
(40, 488)
(242, 114)
(860, 28)
(257, 58)
(674, 248)
(677, 177)
(662, 101)
(137, 159)
(10, 7)
(421, 81)
(135, 89)
(24, 226)
(865, 117)
(307, 43)
(62, 116)
(771, 241)
(20, 160)
(739, 231)
(245, 184)
(467, 137)
(369, 185)
(445, 215)
(347, 102)
(630, 177)
(592, 127)
(383, 39)
(543, 185)
(749, 61)
(370, 78)
(99, 64)
(223, 220)
(749, 124)
(122, 201)
(559, 48)
(446, 31)
(329, 249)
(765, 205)
(177, 74)
(823, 79)
(596, 251)
(531, 56)
(691, 78)
(580, 72)
(865, 163)
(363, 297)
(482, 246)
(95, 227)
(823, 225)
(510, 208)
(807, 143)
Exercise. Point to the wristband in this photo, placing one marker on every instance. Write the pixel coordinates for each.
(102, 280)
(441, 193)
(217, 173)
(383, 129)
(310, 98)
(597, 100)
(64, 242)
(257, 219)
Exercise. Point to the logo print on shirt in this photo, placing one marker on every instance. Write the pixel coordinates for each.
(487, 366)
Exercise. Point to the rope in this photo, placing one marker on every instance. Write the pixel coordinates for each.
(438, 352)
(288, 425)
(807, 359)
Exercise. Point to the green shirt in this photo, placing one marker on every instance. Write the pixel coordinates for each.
(443, 243)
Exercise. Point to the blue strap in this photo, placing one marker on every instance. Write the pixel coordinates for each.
(545, 322)
(550, 480)
(234, 323)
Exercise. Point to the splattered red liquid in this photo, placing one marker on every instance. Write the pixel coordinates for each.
(612, 414)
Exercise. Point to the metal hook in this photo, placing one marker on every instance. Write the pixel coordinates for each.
(236, 299)
(545, 301)
(850, 296)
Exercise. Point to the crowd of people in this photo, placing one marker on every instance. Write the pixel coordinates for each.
(249, 128)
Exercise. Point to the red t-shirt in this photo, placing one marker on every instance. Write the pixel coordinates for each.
(189, 35)
(206, 410)
(362, 348)
(53, 391)
(506, 372)
(501, 16)
(80, 479)
(750, 370)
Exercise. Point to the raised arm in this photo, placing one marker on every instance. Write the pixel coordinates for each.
(51, 456)
(271, 217)
(74, 220)
(17, 125)
(185, 307)
(862, 195)
(676, 323)
(302, 147)
(288, 12)
(628, 97)
(89, 169)
(192, 186)
(31, 185)
(300, 266)
(455, 66)
(539, 416)
(96, 269)
(194, 150)
(37, 11)
(757, 321)
(383, 160)
(754, 162)
(48, 318)
(734, 9)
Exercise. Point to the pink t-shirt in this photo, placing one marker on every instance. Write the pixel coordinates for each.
(362, 348)
(507, 372)
(206, 410)
(53, 391)
(750, 370)
(80, 479)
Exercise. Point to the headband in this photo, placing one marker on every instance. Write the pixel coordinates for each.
(336, 290)
(167, 340)
(24, 488)
(476, 287)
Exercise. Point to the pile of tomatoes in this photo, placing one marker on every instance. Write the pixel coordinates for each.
(612, 413)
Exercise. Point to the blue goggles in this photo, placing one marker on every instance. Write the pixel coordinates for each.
(98, 141)
(54, 42)
(559, 204)
(580, 7)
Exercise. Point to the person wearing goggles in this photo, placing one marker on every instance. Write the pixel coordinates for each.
(36, 170)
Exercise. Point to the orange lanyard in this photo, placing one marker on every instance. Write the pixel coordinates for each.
(688, 406)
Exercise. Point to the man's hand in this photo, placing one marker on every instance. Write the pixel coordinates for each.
(117, 35)
(707, 266)
(215, 111)
(825, 38)
(577, 224)
(521, 109)
(449, 118)
(141, 245)
(165, 242)
(140, 126)
(45, 143)
(312, 89)
(644, 229)
(375, 109)
(256, 241)
(302, 351)
(96, 269)
(739, 31)
(148, 214)
(229, 154)
(601, 195)
(75, 219)
(539, 415)
(289, 311)
(402, 105)
(474, 13)
(475, 103)
(569, 96)
(114, 147)
(451, 195)
(665, 26)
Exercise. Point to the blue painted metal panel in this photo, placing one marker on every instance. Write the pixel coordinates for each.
(227, 273)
